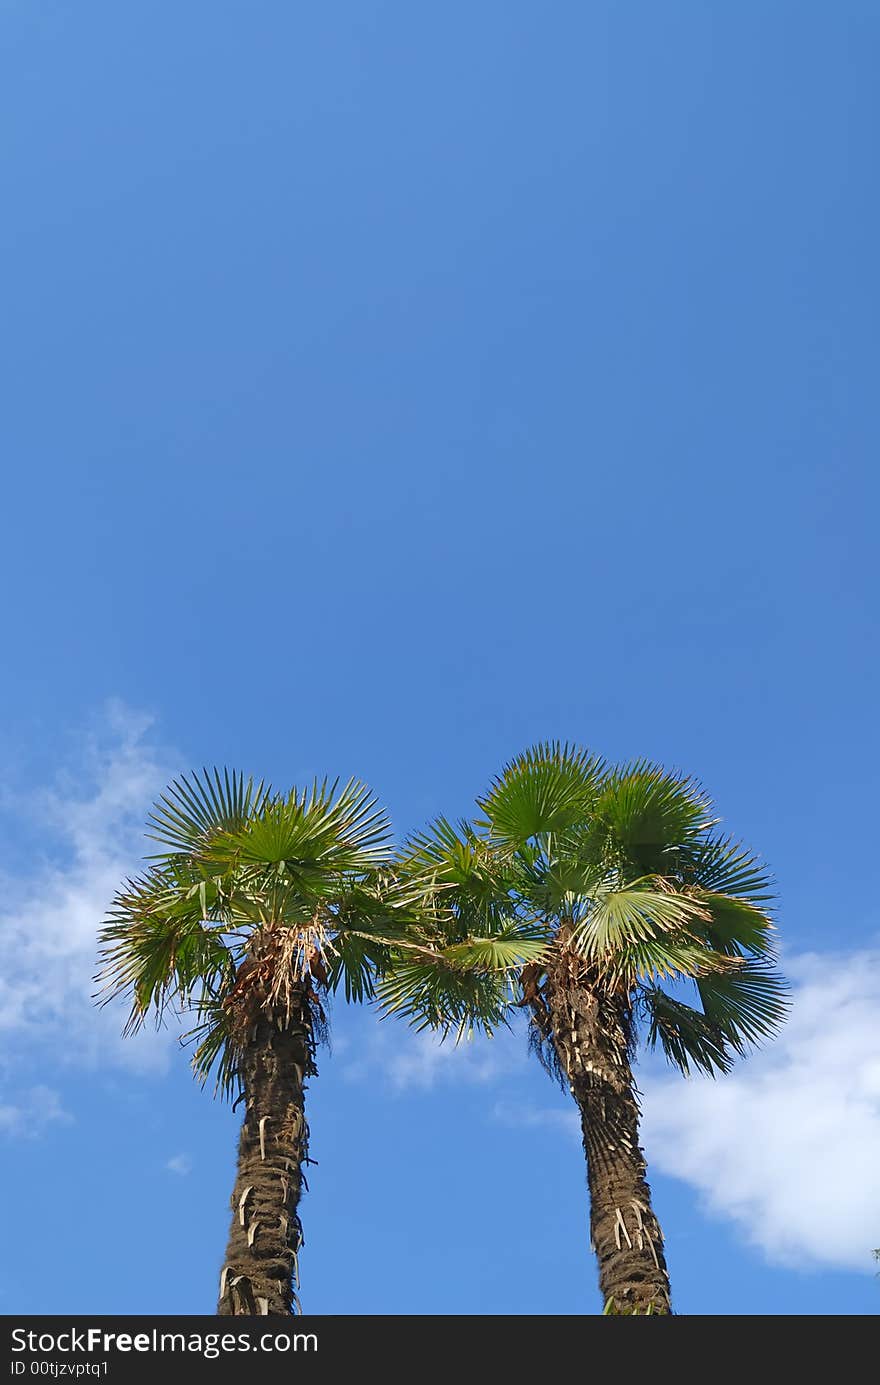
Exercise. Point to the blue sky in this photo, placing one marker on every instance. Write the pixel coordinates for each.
(386, 387)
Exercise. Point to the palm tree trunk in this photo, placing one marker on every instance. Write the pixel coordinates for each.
(591, 1031)
(266, 1234)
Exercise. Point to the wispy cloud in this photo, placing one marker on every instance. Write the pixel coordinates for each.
(29, 1115)
(788, 1146)
(524, 1117)
(181, 1164)
(405, 1060)
(89, 828)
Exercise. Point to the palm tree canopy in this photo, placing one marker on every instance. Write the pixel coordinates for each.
(238, 862)
(478, 940)
(626, 867)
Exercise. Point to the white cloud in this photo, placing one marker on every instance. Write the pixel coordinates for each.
(31, 1112)
(90, 837)
(520, 1117)
(788, 1146)
(406, 1060)
(181, 1164)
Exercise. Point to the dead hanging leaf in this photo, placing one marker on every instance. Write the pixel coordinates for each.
(528, 979)
(316, 966)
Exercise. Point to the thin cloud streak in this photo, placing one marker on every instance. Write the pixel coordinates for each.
(180, 1164)
(51, 913)
(30, 1115)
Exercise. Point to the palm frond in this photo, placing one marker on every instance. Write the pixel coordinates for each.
(621, 916)
(645, 813)
(686, 1036)
(196, 808)
(157, 947)
(547, 789)
(312, 834)
(213, 1048)
(355, 962)
(498, 951)
(736, 926)
(722, 866)
(463, 882)
(437, 995)
(661, 958)
(747, 1004)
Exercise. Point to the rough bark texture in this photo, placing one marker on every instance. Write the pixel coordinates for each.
(591, 1032)
(261, 1267)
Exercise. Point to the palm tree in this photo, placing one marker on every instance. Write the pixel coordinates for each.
(257, 905)
(655, 925)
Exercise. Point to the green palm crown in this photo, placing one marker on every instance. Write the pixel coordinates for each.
(257, 897)
(624, 867)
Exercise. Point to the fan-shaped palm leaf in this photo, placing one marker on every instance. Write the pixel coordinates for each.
(685, 1035)
(747, 1003)
(547, 789)
(646, 814)
(196, 808)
